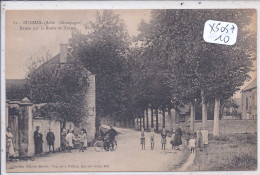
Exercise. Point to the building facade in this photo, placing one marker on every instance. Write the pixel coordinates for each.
(21, 117)
(249, 101)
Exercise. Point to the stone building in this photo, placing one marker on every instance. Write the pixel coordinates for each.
(249, 101)
(20, 113)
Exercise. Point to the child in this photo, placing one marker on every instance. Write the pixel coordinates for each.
(172, 139)
(192, 143)
(142, 138)
(152, 138)
(82, 138)
(163, 134)
(85, 145)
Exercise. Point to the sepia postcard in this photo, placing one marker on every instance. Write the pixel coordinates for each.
(130, 90)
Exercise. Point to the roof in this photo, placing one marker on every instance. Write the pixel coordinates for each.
(56, 60)
(251, 85)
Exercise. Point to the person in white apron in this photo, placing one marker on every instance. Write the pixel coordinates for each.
(69, 140)
(205, 135)
(9, 143)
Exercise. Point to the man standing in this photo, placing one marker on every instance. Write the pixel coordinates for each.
(50, 139)
(111, 135)
(38, 141)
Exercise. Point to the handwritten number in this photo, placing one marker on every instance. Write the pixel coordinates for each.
(218, 38)
(224, 28)
(226, 39)
(233, 28)
(217, 27)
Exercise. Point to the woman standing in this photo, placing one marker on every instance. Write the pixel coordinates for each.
(200, 139)
(9, 143)
(69, 140)
(63, 139)
(177, 138)
(163, 140)
(86, 139)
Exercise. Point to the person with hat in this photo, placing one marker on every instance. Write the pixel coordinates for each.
(38, 141)
(111, 134)
(50, 140)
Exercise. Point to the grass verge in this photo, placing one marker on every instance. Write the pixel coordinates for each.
(236, 152)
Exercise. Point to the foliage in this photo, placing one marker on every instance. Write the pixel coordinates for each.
(174, 47)
(166, 66)
(104, 52)
(230, 108)
(63, 86)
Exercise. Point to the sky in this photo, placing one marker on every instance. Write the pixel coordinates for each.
(24, 40)
(22, 43)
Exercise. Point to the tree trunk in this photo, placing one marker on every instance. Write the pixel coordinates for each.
(147, 121)
(163, 118)
(133, 121)
(177, 116)
(204, 110)
(170, 118)
(216, 117)
(129, 121)
(140, 121)
(157, 122)
(192, 117)
(143, 119)
(151, 117)
(136, 122)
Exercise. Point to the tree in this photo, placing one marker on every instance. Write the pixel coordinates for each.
(228, 67)
(198, 70)
(104, 51)
(63, 87)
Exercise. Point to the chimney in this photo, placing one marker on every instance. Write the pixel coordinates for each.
(63, 53)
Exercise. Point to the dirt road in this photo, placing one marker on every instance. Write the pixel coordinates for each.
(128, 157)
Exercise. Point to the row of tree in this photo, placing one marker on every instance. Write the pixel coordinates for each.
(187, 68)
(168, 65)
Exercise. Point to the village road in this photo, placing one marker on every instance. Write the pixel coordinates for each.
(127, 157)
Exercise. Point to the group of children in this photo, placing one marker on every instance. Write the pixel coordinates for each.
(175, 141)
(82, 137)
(201, 141)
